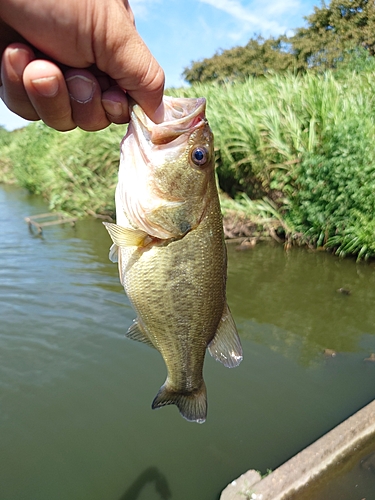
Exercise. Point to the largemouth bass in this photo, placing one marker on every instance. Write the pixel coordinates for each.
(169, 245)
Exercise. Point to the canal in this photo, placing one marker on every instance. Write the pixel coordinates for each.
(75, 394)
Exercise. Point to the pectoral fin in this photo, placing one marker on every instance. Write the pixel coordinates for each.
(125, 237)
(226, 345)
(136, 332)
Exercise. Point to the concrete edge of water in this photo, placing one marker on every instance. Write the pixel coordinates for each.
(306, 465)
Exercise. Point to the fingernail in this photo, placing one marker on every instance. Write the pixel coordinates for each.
(113, 108)
(18, 59)
(81, 89)
(159, 114)
(47, 86)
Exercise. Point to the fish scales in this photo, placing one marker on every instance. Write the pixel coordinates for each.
(175, 283)
(190, 307)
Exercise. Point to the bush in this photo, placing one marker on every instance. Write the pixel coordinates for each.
(334, 202)
(76, 171)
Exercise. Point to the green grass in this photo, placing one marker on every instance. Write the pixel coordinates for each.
(306, 143)
(76, 171)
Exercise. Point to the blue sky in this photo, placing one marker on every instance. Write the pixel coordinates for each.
(180, 31)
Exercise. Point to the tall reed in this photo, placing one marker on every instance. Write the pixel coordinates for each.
(307, 143)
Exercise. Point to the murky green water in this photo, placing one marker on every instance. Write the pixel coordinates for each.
(75, 395)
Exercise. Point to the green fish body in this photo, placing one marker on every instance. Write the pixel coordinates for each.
(170, 249)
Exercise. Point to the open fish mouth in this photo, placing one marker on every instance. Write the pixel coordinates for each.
(154, 178)
(181, 115)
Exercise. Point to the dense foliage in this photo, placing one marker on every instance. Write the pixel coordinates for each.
(331, 33)
(76, 171)
(342, 25)
(257, 58)
(295, 149)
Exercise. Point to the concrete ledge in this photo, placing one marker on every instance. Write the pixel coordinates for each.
(307, 464)
(241, 488)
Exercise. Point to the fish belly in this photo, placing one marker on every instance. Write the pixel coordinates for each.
(178, 292)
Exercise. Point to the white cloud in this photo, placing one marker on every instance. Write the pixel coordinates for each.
(141, 8)
(251, 20)
(272, 8)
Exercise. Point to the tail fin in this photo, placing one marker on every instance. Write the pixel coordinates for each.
(192, 405)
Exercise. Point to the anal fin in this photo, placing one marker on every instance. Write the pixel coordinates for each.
(226, 345)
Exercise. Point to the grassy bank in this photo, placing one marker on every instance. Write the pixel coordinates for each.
(296, 152)
(75, 171)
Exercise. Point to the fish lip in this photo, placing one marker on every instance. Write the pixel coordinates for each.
(192, 117)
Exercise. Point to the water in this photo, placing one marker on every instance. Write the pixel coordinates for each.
(352, 478)
(75, 395)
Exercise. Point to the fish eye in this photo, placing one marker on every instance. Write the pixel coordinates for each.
(199, 156)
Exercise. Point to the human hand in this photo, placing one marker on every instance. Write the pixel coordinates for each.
(68, 63)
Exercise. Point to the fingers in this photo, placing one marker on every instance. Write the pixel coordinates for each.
(85, 100)
(92, 108)
(78, 35)
(14, 61)
(48, 94)
(37, 89)
(116, 105)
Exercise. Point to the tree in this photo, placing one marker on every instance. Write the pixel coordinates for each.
(4, 136)
(332, 30)
(257, 58)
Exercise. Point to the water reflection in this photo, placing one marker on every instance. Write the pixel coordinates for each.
(291, 298)
(150, 475)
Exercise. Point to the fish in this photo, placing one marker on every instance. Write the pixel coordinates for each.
(169, 244)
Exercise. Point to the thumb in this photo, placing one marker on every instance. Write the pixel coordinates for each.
(121, 53)
(144, 81)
